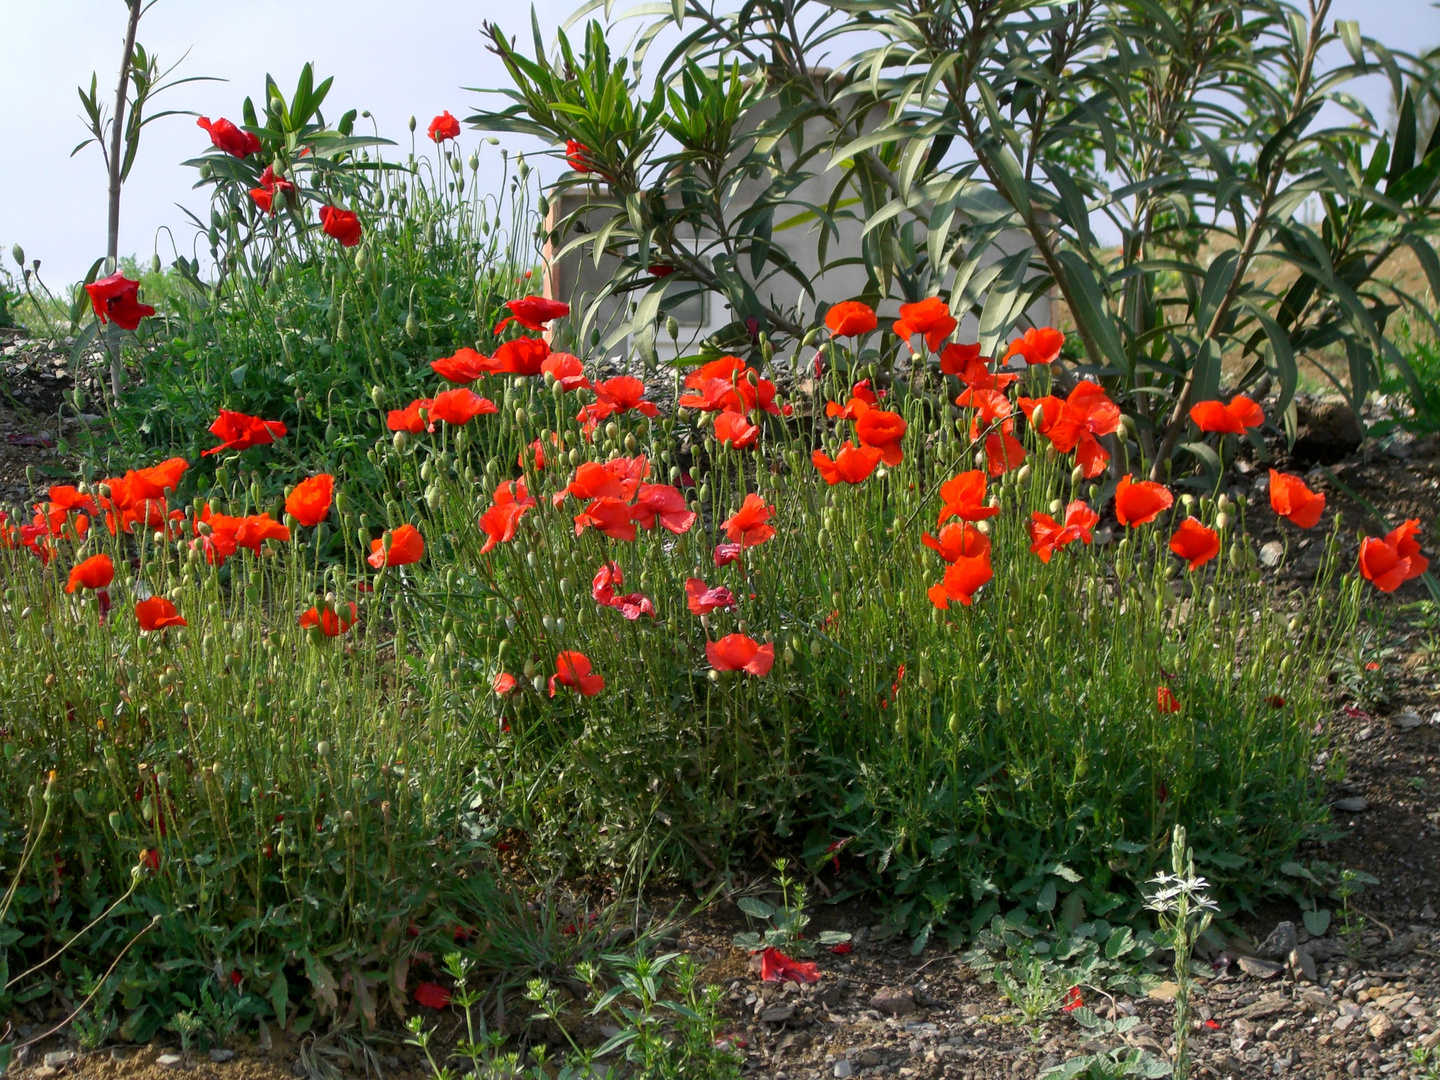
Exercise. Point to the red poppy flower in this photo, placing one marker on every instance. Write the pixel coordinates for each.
(1087, 413)
(623, 393)
(883, 431)
(930, 317)
(617, 478)
(330, 622)
(343, 225)
(511, 501)
(66, 498)
(732, 429)
(95, 572)
(966, 363)
(459, 406)
(963, 497)
(962, 580)
(577, 155)
(533, 312)
(750, 525)
(1003, 452)
(958, 540)
(443, 127)
(432, 995)
(226, 136)
(537, 452)
(504, 683)
(116, 299)
(1073, 1000)
(155, 481)
(409, 419)
(309, 503)
(1038, 345)
(521, 356)
(464, 367)
(1195, 543)
(573, 669)
(850, 318)
(1139, 502)
(156, 614)
(861, 398)
(254, 529)
(702, 599)
(852, 465)
(264, 195)
(728, 383)
(737, 652)
(632, 605)
(1231, 419)
(725, 554)
(406, 546)
(240, 432)
(663, 503)
(1165, 701)
(569, 372)
(1047, 535)
(610, 515)
(150, 859)
(775, 966)
(1389, 563)
(1293, 500)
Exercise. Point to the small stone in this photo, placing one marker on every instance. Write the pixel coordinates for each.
(1345, 1022)
(1302, 965)
(1353, 805)
(893, 1002)
(1272, 553)
(778, 1015)
(1166, 991)
(220, 1056)
(869, 1057)
(1259, 969)
(1280, 943)
(44, 1072)
(169, 1061)
(1432, 1040)
(1381, 1027)
(842, 1069)
(58, 1059)
(1406, 720)
(972, 1009)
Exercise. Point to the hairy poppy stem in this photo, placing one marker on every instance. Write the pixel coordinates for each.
(112, 242)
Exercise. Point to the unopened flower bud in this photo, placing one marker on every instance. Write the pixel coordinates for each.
(1077, 475)
(412, 123)
(323, 749)
(400, 440)
(1222, 521)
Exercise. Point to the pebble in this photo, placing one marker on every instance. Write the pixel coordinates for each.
(893, 1002)
(1302, 965)
(1259, 969)
(220, 1056)
(1381, 1027)
(778, 1015)
(169, 1061)
(1353, 805)
(842, 1069)
(1406, 720)
(1166, 991)
(1281, 942)
(58, 1059)
(1272, 553)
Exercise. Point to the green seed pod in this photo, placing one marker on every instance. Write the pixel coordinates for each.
(115, 821)
(954, 724)
(815, 649)
(18, 254)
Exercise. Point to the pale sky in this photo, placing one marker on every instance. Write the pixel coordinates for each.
(395, 59)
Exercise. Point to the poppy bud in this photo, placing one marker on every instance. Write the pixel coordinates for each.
(323, 749)
(1223, 502)
(549, 623)
(529, 669)
(18, 253)
(788, 656)
(815, 649)
(1022, 477)
(1214, 607)
(1056, 506)
(672, 327)
(400, 441)
(954, 723)
(1077, 474)
(1222, 521)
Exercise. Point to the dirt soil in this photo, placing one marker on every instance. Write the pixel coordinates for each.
(1362, 1011)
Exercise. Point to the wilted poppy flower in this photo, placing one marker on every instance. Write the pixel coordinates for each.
(156, 614)
(852, 465)
(406, 547)
(309, 503)
(963, 497)
(1231, 419)
(240, 432)
(930, 317)
(1048, 535)
(1389, 563)
(1139, 502)
(702, 599)
(1293, 500)
(660, 270)
(270, 184)
(116, 299)
(330, 622)
(1038, 345)
(883, 431)
(725, 554)
(499, 523)
(958, 540)
(95, 572)
(737, 652)
(1165, 701)
(610, 515)
(521, 356)
(663, 503)
(850, 318)
(750, 525)
(1196, 543)
(732, 429)
(1073, 1000)
(775, 966)
(343, 225)
(962, 580)
(432, 995)
(573, 669)
(568, 371)
(504, 683)
(226, 136)
(861, 398)
(632, 605)
(533, 312)
(459, 406)
(464, 367)
(577, 155)
(443, 127)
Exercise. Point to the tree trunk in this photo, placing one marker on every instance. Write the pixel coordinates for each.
(117, 131)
